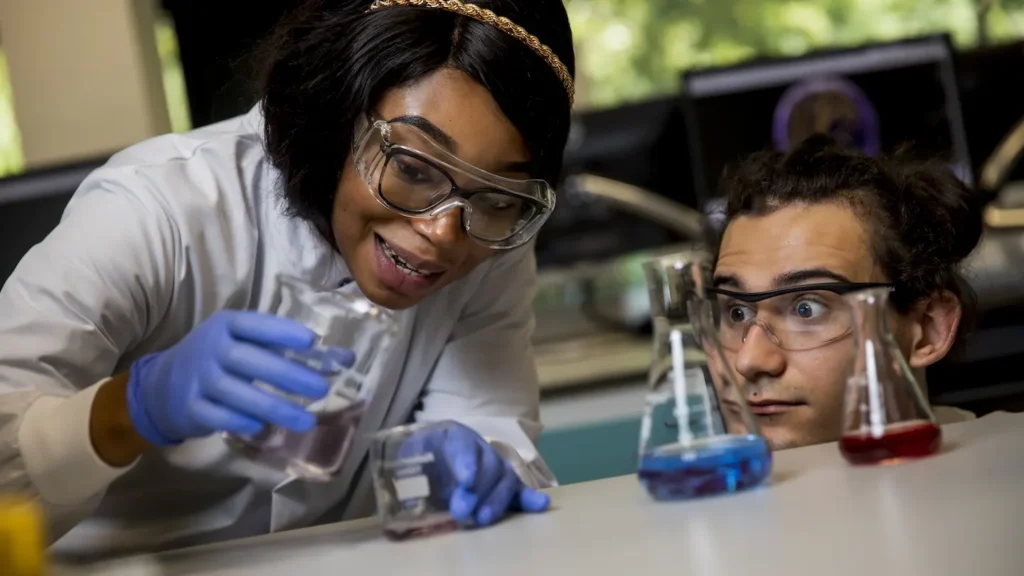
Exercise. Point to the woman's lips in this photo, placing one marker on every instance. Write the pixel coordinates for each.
(398, 281)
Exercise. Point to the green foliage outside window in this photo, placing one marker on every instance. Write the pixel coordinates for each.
(630, 49)
(633, 49)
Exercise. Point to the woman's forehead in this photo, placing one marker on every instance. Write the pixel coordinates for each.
(756, 251)
(469, 119)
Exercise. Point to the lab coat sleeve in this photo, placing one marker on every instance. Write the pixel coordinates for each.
(73, 306)
(485, 377)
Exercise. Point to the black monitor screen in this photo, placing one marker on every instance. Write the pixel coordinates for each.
(875, 99)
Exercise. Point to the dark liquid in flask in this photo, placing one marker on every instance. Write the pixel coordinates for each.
(425, 527)
(899, 441)
(725, 464)
(419, 509)
(313, 455)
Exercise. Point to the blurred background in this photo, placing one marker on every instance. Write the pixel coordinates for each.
(669, 93)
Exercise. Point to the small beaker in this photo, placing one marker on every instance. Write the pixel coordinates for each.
(885, 415)
(341, 319)
(413, 479)
(697, 436)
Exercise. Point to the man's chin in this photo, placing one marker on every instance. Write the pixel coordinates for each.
(783, 438)
(781, 441)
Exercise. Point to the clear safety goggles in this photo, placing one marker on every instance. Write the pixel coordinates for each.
(411, 174)
(795, 318)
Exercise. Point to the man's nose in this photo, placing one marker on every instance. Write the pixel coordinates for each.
(443, 231)
(758, 356)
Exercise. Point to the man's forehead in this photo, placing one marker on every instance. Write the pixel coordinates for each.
(757, 251)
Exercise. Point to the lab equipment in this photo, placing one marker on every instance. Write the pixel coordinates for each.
(433, 477)
(697, 436)
(343, 322)
(202, 384)
(413, 480)
(875, 97)
(885, 415)
(413, 175)
(795, 318)
(22, 537)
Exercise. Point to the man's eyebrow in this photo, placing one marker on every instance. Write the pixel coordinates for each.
(796, 277)
(729, 281)
(432, 130)
(784, 280)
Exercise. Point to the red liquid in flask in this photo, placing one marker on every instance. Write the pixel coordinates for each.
(904, 440)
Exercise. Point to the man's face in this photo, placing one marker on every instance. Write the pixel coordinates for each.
(796, 396)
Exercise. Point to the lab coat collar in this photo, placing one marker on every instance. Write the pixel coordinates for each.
(302, 250)
(253, 120)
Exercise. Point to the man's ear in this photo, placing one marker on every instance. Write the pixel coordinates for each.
(936, 320)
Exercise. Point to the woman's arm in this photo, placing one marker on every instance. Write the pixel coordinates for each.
(111, 431)
(75, 304)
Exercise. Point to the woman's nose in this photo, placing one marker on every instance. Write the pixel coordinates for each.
(759, 355)
(443, 231)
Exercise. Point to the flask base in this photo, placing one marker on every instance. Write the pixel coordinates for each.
(898, 442)
(315, 455)
(721, 465)
(440, 523)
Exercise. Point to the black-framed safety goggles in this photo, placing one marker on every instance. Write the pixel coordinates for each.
(794, 318)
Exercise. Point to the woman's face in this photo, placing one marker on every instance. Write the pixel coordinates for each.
(370, 236)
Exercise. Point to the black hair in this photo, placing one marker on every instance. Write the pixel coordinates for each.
(331, 61)
(923, 221)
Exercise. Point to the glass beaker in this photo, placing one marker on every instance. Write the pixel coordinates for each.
(697, 437)
(341, 319)
(413, 479)
(885, 415)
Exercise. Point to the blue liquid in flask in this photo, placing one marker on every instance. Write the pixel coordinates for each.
(722, 465)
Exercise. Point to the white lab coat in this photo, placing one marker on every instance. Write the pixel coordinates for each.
(167, 233)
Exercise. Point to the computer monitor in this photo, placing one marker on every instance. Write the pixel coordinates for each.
(875, 98)
(992, 104)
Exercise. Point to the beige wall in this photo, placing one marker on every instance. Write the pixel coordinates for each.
(85, 76)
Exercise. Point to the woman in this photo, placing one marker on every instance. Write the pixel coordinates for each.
(802, 229)
(401, 149)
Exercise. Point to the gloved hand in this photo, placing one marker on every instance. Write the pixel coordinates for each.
(204, 383)
(484, 487)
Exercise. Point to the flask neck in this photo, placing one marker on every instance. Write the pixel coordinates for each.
(671, 286)
(871, 315)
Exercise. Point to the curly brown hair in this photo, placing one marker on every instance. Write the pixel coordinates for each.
(923, 220)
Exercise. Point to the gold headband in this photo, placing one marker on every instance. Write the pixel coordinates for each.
(500, 22)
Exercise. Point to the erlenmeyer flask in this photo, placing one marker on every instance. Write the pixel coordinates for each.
(341, 319)
(697, 437)
(885, 415)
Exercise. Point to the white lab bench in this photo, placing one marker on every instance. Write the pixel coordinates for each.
(957, 513)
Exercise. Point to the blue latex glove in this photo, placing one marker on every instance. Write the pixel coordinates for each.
(204, 383)
(483, 487)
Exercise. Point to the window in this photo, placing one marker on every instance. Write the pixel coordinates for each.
(634, 49)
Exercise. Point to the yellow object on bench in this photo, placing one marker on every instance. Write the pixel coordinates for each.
(22, 541)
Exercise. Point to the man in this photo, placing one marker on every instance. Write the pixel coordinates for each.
(838, 221)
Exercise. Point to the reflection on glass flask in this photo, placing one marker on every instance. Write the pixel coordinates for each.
(886, 418)
(697, 437)
(342, 320)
